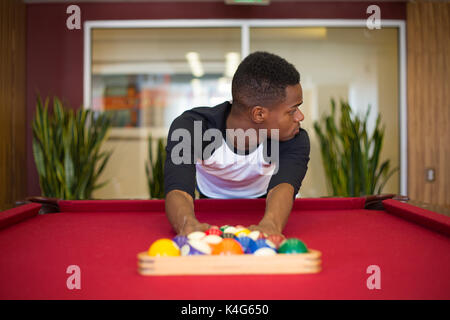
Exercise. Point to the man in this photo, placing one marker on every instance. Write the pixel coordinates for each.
(266, 94)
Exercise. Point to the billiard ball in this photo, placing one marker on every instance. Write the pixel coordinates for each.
(276, 240)
(213, 231)
(254, 235)
(248, 244)
(265, 252)
(227, 247)
(227, 235)
(292, 245)
(243, 231)
(230, 230)
(163, 248)
(180, 240)
(222, 228)
(196, 235)
(195, 247)
(263, 243)
(212, 239)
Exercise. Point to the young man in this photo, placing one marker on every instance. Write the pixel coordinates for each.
(266, 94)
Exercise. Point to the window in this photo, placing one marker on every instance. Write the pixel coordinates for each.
(146, 74)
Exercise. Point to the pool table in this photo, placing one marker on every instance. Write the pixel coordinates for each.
(410, 245)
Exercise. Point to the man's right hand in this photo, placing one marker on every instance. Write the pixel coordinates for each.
(192, 226)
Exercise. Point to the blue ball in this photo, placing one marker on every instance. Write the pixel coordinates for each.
(262, 243)
(248, 244)
(180, 241)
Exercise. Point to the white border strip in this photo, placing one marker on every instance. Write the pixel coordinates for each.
(87, 66)
(245, 26)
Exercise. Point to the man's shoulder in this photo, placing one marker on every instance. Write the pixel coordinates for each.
(212, 116)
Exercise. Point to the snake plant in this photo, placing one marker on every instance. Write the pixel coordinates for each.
(66, 149)
(350, 155)
(154, 168)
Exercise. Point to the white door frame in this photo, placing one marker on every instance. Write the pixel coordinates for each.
(245, 26)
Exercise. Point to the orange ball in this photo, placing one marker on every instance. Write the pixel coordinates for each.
(227, 247)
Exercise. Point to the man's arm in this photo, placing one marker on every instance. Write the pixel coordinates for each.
(279, 203)
(180, 212)
(284, 185)
(179, 177)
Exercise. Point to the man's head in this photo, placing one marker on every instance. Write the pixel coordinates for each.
(267, 89)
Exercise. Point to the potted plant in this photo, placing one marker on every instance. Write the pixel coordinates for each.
(66, 150)
(350, 155)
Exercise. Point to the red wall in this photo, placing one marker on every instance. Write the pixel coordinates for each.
(55, 54)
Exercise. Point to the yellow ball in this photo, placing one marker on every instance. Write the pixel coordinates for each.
(242, 232)
(163, 248)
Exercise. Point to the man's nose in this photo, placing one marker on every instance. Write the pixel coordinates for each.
(299, 116)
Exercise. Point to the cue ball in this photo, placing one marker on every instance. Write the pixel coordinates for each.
(196, 235)
(265, 252)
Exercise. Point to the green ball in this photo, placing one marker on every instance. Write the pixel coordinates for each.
(292, 245)
(222, 228)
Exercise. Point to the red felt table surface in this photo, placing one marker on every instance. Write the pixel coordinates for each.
(103, 238)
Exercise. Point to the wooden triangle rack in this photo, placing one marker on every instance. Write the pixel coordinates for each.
(301, 263)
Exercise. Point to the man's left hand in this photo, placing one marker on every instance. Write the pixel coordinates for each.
(266, 227)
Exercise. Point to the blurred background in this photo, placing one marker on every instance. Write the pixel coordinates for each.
(146, 62)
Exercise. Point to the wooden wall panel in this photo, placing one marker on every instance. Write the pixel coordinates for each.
(428, 38)
(12, 102)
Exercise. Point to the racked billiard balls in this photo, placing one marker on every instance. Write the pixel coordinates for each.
(292, 245)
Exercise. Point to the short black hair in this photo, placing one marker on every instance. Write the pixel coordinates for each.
(261, 79)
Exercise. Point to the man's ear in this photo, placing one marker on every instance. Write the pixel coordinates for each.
(259, 114)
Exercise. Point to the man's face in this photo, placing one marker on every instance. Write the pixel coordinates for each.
(286, 116)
